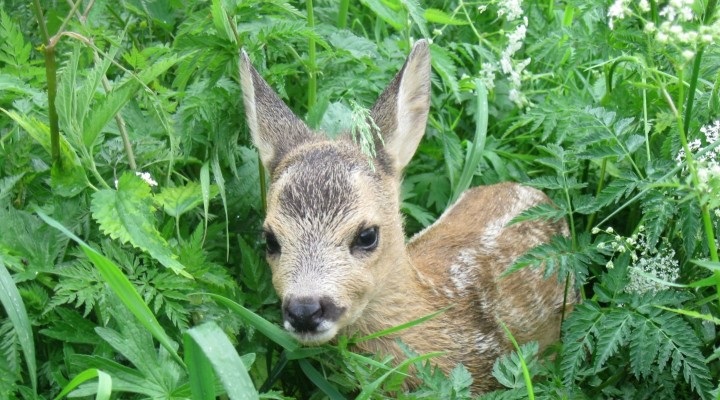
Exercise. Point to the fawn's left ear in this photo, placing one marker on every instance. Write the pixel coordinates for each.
(401, 111)
(274, 127)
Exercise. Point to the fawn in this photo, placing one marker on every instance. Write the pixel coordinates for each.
(337, 250)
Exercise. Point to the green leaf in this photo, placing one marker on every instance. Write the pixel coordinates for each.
(442, 63)
(200, 371)
(107, 107)
(215, 346)
(435, 16)
(126, 214)
(70, 179)
(693, 314)
(15, 310)
(7, 183)
(121, 286)
(176, 201)
(222, 21)
(416, 15)
(387, 14)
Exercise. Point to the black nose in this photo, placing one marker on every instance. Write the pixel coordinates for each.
(306, 313)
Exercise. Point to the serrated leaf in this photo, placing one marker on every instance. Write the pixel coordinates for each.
(616, 326)
(123, 289)
(642, 356)
(416, 15)
(579, 342)
(126, 214)
(8, 183)
(443, 64)
(222, 21)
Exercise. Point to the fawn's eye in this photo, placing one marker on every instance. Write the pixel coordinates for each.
(271, 243)
(367, 239)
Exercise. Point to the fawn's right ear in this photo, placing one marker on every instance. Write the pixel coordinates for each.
(274, 127)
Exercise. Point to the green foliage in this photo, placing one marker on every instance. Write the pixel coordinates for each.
(149, 175)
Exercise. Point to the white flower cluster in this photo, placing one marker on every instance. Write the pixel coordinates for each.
(147, 178)
(708, 162)
(674, 29)
(649, 268)
(487, 75)
(510, 9)
(661, 265)
(513, 69)
(618, 10)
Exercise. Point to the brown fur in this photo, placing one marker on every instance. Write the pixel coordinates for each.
(323, 193)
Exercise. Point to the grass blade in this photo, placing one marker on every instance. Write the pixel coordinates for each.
(525, 370)
(267, 328)
(474, 154)
(104, 383)
(319, 380)
(368, 390)
(15, 309)
(399, 328)
(121, 286)
(220, 353)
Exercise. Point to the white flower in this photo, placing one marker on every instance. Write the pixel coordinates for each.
(711, 132)
(618, 10)
(644, 5)
(487, 75)
(147, 178)
(511, 9)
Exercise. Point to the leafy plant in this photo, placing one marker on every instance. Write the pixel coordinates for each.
(131, 199)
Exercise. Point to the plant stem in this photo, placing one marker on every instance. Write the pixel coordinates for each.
(343, 13)
(706, 218)
(696, 70)
(690, 160)
(312, 67)
(51, 76)
(600, 186)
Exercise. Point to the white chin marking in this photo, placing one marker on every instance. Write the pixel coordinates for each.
(325, 332)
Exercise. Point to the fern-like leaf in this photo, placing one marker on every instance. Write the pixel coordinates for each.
(579, 332)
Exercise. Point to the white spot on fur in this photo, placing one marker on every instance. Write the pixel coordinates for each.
(461, 271)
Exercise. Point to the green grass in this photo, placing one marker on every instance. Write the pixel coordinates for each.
(115, 288)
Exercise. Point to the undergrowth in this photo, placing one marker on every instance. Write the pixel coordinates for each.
(131, 199)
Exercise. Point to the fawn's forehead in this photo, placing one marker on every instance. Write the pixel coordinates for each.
(322, 183)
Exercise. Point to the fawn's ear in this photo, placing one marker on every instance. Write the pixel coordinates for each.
(401, 111)
(274, 127)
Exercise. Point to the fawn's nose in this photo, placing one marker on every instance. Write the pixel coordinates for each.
(305, 314)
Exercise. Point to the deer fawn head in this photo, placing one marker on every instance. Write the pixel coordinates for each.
(333, 228)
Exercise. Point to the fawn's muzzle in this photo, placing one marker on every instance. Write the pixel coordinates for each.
(310, 314)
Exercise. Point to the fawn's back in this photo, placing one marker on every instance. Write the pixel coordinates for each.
(336, 246)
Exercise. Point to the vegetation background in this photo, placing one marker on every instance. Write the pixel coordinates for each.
(131, 199)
